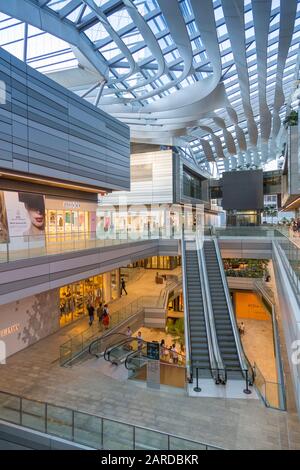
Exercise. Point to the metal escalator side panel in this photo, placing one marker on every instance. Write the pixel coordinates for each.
(186, 311)
(233, 323)
(111, 353)
(202, 352)
(211, 327)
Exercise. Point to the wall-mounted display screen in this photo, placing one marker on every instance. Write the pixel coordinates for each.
(243, 190)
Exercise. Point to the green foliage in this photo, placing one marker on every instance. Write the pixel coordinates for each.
(253, 268)
(176, 329)
(291, 119)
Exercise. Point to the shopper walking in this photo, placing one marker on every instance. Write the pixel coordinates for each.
(100, 312)
(91, 312)
(128, 346)
(105, 317)
(140, 341)
(123, 286)
(242, 329)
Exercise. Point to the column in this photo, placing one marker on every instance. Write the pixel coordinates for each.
(107, 287)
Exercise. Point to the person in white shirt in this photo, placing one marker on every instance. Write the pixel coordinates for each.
(174, 354)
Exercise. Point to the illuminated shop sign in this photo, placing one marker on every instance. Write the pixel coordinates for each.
(10, 330)
(71, 205)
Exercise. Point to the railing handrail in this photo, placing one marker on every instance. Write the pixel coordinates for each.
(216, 360)
(238, 342)
(102, 417)
(136, 351)
(293, 275)
(103, 338)
(187, 331)
(113, 313)
(129, 339)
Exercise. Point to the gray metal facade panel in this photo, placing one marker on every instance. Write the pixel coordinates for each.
(48, 131)
(19, 279)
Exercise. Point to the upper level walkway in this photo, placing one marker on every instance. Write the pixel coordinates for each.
(31, 247)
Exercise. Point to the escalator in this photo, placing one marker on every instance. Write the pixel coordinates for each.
(118, 352)
(99, 346)
(199, 349)
(135, 360)
(228, 340)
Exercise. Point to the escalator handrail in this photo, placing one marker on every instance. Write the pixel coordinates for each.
(214, 344)
(129, 339)
(187, 331)
(238, 342)
(131, 354)
(137, 352)
(102, 338)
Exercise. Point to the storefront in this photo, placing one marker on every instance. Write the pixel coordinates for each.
(66, 216)
(175, 305)
(75, 297)
(141, 220)
(159, 262)
(33, 220)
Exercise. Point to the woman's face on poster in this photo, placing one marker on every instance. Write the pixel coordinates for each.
(37, 217)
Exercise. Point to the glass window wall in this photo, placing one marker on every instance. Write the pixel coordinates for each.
(75, 297)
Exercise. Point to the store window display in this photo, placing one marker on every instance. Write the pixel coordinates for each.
(74, 298)
(66, 217)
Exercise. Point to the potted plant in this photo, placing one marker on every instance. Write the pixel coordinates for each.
(291, 119)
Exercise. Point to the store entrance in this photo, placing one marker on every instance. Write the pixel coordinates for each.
(75, 297)
(67, 222)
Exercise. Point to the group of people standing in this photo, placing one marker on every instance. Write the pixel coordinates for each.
(168, 354)
(102, 310)
(102, 314)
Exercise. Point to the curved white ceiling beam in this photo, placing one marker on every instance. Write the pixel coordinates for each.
(178, 31)
(133, 67)
(240, 136)
(207, 28)
(150, 40)
(208, 152)
(216, 141)
(215, 100)
(45, 20)
(228, 138)
(261, 18)
(190, 105)
(235, 22)
(206, 24)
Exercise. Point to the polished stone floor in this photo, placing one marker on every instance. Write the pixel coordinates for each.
(230, 423)
(259, 346)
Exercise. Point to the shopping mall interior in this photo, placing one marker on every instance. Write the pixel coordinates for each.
(149, 225)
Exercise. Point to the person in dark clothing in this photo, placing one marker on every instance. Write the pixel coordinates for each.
(100, 312)
(91, 311)
(123, 286)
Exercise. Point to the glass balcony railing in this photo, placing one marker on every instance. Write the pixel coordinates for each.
(259, 231)
(24, 247)
(77, 344)
(89, 430)
(269, 391)
(292, 260)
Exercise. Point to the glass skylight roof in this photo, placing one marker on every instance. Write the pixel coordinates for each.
(145, 55)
